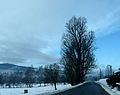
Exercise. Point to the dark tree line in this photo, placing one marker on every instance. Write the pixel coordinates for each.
(11, 79)
(48, 74)
(77, 50)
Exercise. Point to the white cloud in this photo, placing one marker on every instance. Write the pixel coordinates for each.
(108, 24)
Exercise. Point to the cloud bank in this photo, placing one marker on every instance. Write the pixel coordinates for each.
(31, 30)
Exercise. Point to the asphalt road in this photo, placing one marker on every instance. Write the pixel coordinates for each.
(89, 88)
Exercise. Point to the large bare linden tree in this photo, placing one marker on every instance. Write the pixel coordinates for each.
(77, 50)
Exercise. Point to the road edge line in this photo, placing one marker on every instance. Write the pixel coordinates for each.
(106, 89)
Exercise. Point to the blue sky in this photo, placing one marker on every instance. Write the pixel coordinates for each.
(31, 30)
(108, 51)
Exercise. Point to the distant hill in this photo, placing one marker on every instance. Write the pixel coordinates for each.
(6, 67)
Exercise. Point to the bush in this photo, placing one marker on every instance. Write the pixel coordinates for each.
(112, 80)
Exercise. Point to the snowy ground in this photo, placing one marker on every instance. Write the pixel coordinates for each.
(44, 90)
(114, 91)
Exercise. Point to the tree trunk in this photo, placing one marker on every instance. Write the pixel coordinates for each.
(78, 75)
(72, 81)
(55, 85)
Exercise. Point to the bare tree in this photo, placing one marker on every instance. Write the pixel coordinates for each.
(47, 74)
(51, 74)
(109, 71)
(1, 79)
(101, 75)
(29, 77)
(40, 74)
(78, 49)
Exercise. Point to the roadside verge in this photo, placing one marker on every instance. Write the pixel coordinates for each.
(63, 91)
(108, 90)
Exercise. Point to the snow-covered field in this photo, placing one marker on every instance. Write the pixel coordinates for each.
(114, 91)
(44, 90)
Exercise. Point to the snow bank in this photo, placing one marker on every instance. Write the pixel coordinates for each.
(104, 85)
(116, 91)
(103, 81)
(44, 90)
(62, 90)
